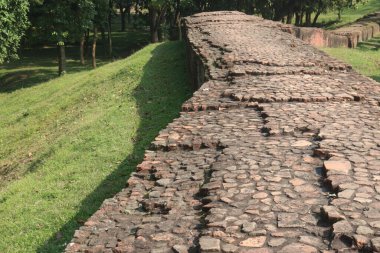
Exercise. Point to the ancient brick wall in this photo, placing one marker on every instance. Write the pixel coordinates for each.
(319, 37)
(277, 151)
(347, 36)
(361, 30)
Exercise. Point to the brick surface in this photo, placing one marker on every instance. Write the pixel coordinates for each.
(277, 151)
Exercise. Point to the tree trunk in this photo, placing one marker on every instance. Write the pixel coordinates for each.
(160, 34)
(316, 17)
(128, 10)
(178, 22)
(175, 23)
(289, 18)
(110, 30)
(86, 43)
(277, 15)
(301, 17)
(104, 40)
(308, 18)
(61, 59)
(103, 32)
(82, 42)
(153, 24)
(240, 5)
(95, 37)
(110, 48)
(298, 19)
(122, 15)
(250, 8)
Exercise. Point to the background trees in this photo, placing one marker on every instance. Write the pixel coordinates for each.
(125, 7)
(13, 23)
(64, 21)
(80, 21)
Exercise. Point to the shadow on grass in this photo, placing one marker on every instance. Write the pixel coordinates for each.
(150, 124)
(36, 66)
(327, 25)
(23, 79)
(372, 44)
(376, 78)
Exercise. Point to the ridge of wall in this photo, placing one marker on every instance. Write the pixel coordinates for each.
(277, 151)
(347, 36)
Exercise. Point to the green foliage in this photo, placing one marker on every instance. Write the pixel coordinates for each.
(84, 12)
(13, 22)
(63, 20)
(280, 9)
(158, 3)
(101, 12)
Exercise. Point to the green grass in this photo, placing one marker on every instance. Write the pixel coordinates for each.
(74, 140)
(38, 65)
(365, 58)
(330, 20)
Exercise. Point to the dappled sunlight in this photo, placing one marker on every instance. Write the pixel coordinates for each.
(40, 64)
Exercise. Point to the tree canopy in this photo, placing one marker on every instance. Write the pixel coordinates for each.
(13, 23)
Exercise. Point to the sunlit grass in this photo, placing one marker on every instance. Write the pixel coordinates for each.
(73, 141)
(365, 58)
(330, 20)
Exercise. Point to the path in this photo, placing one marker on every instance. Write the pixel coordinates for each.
(278, 151)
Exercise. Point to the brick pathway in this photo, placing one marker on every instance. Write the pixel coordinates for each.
(277, 151)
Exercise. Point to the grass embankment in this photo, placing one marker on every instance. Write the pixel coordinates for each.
(39, 64)
(74, 140)
(330, 20)
(365, 58)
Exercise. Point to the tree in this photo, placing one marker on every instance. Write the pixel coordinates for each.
(157, 11)
(63, 21)
(13, 23)
(83, 15)
(57, 21)
(340, 5)
(125, 7)
(109, 27)
(279, 10)
(177, 8)
(323, 5)
(100, 20)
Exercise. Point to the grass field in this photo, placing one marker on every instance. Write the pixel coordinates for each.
(365, 58)
(73, 141)
(330, 20)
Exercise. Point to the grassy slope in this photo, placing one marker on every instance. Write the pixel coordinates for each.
(348, 15)
(38, 65)
(365, 58)
(83, 134)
